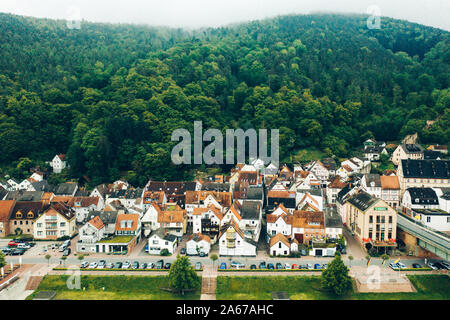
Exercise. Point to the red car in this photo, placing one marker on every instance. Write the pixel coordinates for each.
(12, 243)
(294, 266)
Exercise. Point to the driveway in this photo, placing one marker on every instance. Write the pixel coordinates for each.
(353, 247)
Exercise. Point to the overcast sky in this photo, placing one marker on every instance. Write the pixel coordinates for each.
(199, 13)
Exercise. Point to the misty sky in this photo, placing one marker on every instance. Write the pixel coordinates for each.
(199, 13)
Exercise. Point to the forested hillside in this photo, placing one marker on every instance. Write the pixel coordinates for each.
(111, 95)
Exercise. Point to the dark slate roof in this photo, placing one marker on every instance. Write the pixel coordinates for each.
(255, 193)
(341, 194)
(373, 177)
(423, 196)
(22, 195)
(412, 148)
(431, 155)
(362, 200)
(127, 194)
(429, 169)
(216, 186)
(65, 188)
(329, 163)
(42, 186)
(81, 193)
(3, 193)
(25, 207)
(332, 218)
(171, 187)
(107, 217)
(250, 210)
(373, 149)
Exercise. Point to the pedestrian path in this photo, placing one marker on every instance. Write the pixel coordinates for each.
(209, 283)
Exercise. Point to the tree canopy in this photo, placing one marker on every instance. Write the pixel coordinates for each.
(110, 95)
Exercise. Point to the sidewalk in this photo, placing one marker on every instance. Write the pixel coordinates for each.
(209, 283)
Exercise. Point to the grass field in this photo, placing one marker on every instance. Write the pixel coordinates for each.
(429, 287)
(119, 287)
(307, 154)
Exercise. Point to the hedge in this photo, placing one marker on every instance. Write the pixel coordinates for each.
(268, 270)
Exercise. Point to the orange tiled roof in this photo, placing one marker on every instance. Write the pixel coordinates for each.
(199, 237)
(389, 182)
(126, 217)
(279, 237)
(97, 222)
(6, 207)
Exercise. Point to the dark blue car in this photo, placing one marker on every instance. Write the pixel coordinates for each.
(317, 266)
(223, 266)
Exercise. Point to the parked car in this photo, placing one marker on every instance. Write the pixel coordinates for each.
(66, 252)
(401, 265)
(432, 265)
(53, 246)
(198, 266)
(202, 254)
(160, 264)
(262, 265)
(167, 265)
(146, 248)
(279, 266)
(135, 265)
(270, 266)
(118, 265)
(416, 266)
(126, 265)
(253, 266)
(84, 264)
(12, 243)
(440, 266)
(309, 266)
(303, 252)
(287, 266)
(143, 266)
(223, 266)
(393, 266)
(6, 250)
(62, 248)
(101, 264)
(303, 267)
(23, 245)
(445, 264)
(183, 251)
(294, 266)
(237, 265)
(150, 265)
(17, 252)
(109, 265)
(317, 266)
(93, 265)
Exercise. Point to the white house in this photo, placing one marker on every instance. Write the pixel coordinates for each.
(211, 213)
(280, 245)
(319, 170)
(232, 242)
(89, 234)
(436, 219)
(444, 198)
(159, 241)
(371, 183)
(419, 198)
(198, 243)
(279, 224)
(59, 163)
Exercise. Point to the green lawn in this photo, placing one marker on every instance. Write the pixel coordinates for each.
(429, 287)
(117, 239)
(118, 287)
(308, 154)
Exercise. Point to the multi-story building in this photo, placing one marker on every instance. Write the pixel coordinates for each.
(390, 190)
(419, 198)
(56, 222)
(423, 174)
(372, 220)
(6, 208)
(407, 151)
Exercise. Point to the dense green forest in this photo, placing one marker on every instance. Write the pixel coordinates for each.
(110, 95)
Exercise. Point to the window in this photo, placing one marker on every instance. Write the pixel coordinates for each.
(390, 219)
(62, 224)
(370, 219)
(428, 219)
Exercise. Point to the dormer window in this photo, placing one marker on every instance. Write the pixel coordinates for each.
(19, 214)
